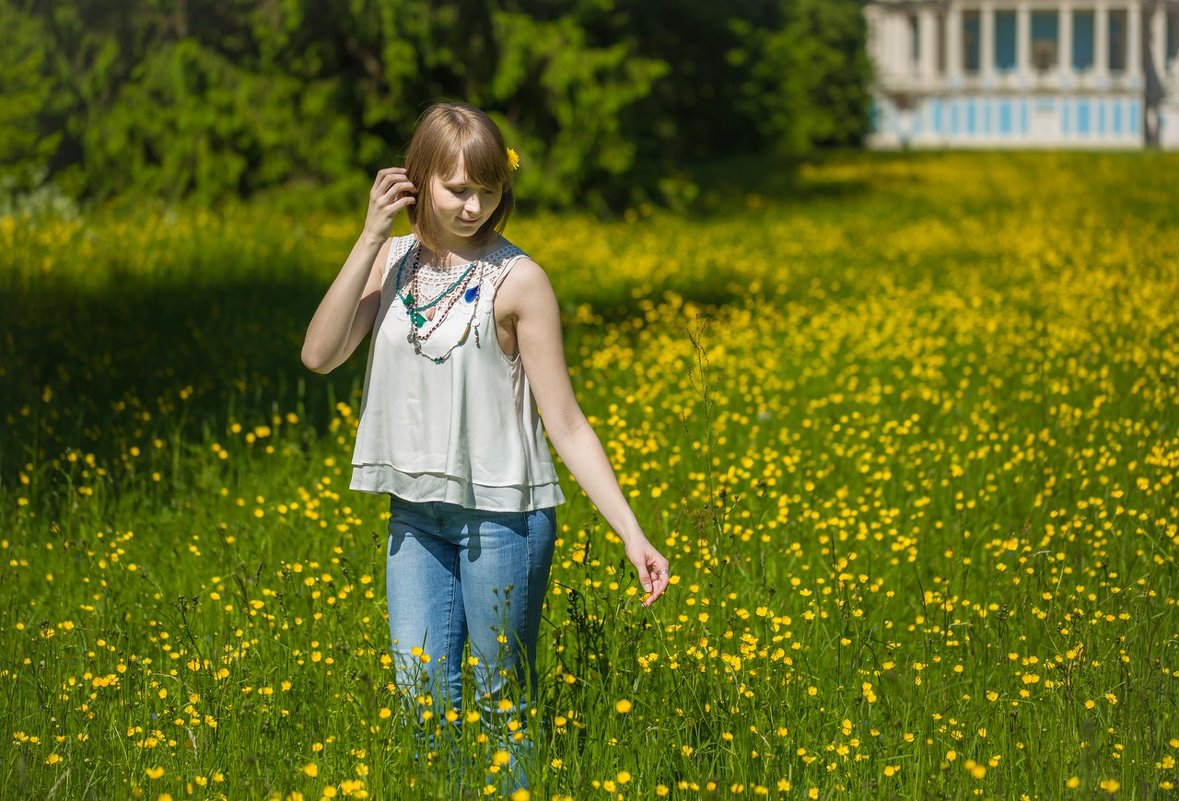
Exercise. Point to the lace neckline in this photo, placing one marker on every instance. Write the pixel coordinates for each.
(489, 258)
(432, 280)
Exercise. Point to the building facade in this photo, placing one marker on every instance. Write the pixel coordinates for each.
(1025, 73)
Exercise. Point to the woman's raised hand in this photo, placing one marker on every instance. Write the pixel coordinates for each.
(392, 191)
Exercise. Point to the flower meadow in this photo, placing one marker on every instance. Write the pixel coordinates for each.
(905, 425)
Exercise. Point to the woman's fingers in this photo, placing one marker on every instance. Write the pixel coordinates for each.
(384, 178)
(645, 577)
(396, 189)
(391, 192)
(652, 567)
(389, 171)
(660, 578)
(654, 574)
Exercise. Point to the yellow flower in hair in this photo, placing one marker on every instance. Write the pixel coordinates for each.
(513, 160)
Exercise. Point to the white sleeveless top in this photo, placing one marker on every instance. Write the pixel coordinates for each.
(465, 431)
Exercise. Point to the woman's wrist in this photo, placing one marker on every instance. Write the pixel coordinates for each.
(630, 532)
(371, 239)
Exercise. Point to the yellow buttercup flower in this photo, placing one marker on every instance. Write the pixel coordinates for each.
(513, 160)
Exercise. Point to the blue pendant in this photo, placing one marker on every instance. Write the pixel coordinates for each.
(470, 295)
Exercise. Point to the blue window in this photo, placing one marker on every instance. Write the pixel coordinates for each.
(935, 111)
(971, 118)
(953, 117)
(1133, 113)
(1100, 116)
(1064, 117)
(914, 39)
(1117, 40)
(1083, 117)
(1024, 122)
(1082, 40)
(1116, 110)
(1004, 41)
(1005, 117)
(1045, 32)
(971, 41)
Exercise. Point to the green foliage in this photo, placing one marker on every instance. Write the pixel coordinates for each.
(24, 150)
(575, 125)
(809, 86)
(609, 102)
(216, 129)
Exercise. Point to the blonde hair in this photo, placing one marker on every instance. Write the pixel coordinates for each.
(444, 134)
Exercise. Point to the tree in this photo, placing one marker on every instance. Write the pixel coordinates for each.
(25, 149)
(809, 88)
(609, 102)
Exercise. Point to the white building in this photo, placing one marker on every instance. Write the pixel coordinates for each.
(1025, 73)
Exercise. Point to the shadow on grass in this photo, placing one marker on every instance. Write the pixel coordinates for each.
(106, 371)
(726, 185)
(102, 372)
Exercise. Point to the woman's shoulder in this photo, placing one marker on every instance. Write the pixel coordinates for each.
(503, 251)
(510, 259)
(402, 243)
(524, 283)
(399, 248)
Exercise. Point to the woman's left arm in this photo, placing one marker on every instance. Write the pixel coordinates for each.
(527, 297)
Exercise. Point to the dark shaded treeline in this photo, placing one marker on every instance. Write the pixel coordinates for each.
(609, 102)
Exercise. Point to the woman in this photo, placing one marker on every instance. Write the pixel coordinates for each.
(466, 349)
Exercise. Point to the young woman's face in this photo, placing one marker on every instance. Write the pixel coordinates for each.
(462, 206)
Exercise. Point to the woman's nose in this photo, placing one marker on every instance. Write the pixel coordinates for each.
(472, 205)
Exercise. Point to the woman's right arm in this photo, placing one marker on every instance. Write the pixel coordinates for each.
(347, 311)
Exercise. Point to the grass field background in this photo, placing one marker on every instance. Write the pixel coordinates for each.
(904, 424)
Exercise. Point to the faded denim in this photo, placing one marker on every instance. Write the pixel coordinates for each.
(456, 575)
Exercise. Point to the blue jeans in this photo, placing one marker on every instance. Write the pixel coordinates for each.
(455, 574)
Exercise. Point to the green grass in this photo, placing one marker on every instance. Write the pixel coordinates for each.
(904, 424)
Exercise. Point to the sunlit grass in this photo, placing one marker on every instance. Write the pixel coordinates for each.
(906, 429)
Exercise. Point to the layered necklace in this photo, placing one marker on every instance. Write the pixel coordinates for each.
(415, 306)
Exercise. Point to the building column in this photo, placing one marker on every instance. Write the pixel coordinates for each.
(1064, 56)
(1158, 38)
(888, 34)
(954, 42)
(911, 67)
(1101, 40)
(927, 30)
(986, 33)
(1157, 51)
(1134, 40)
(899, 35)
(1023, 41)
(886, 42)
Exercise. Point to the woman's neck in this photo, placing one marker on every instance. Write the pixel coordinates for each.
(455, 251)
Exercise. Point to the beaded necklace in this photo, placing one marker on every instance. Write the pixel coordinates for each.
(410, 301)
(418, 320)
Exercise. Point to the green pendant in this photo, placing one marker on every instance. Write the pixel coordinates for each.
(416, 316)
